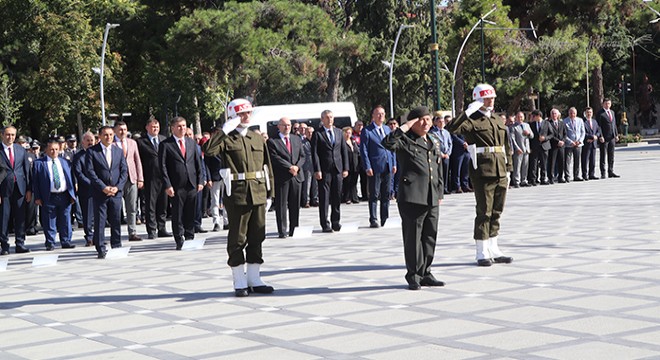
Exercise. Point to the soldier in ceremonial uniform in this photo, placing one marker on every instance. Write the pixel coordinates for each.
(490, 151)
(249, 184)
(420, 190)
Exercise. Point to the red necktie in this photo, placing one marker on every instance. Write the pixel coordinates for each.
(183, 149)
(11, 157)
(123, 147)
(288, 144)
(609, 113)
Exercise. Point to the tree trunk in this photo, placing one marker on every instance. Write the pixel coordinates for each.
(332, 91)
(597, 85)
(80, 126)
(198, 121)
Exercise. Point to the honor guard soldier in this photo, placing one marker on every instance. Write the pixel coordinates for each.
(420, 190)
(490, 150)
(249, 186)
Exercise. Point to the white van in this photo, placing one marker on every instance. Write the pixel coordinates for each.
(265, 118)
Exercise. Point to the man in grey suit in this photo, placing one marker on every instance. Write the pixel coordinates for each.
(574, 141)
(521, 132)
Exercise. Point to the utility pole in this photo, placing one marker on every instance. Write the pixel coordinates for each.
(434, 48)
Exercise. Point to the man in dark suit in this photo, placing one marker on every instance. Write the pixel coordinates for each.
(379, 164)
(53, 190)
(592, 134)
(420, 192)
(155, 199)
(287, 158)
(106, 168)
(330, 159)
(84, 187)
(558, 131)
(181, 166)
(609, 137)
(14, 191)
(539, 146)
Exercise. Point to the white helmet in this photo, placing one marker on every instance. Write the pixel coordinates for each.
(483, 91)
(238, 106)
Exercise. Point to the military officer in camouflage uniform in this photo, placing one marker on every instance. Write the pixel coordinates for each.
(248, 186)
(420, 191)
(490, 151)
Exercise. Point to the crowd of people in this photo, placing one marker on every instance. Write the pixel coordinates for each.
(232, 173)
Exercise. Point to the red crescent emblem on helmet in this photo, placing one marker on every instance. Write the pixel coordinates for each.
(486, 92)
(240, 107)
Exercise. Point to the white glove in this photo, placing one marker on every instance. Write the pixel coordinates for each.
(473, 107)
(230, 125)
(269, 202)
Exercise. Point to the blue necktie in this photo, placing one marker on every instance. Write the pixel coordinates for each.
(56, 176)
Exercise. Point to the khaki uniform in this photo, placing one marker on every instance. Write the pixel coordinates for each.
(246, 207)
(489, 179)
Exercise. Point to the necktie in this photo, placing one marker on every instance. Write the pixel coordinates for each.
(108, 156)
(123, 147)
(153, 140)
(11, 157)
(381, 133)
(331, 136)
(609, 113)
(287, 143)
(590, 126)
(56, 176)
(183, 149)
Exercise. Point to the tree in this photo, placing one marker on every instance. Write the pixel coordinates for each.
(9, 105)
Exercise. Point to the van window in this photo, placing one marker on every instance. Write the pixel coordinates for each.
(340, 122)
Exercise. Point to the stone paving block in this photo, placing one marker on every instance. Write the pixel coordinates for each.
(596, 350)
(359, 342)
(601, 325)
(199, 347)
(61, 349)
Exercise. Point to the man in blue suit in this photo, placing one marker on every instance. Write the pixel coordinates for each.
(106, 168)
(14, 191)
(379, 165)
(83, 188)
(53, 190)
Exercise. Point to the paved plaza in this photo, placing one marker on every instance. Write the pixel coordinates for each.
(585, 284)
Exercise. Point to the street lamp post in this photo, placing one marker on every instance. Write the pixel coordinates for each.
(108, 26)
(460, 51)
(391, 65)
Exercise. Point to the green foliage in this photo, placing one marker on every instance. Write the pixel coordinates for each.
(9, 105)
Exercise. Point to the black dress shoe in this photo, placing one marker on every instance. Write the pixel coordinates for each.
(102, 254)
(545, 183)
(88, 243)
(431, 281)
(50, 248)
(199, 230)
(613, 175)
(584, 179)
(4, 252)
(216, 227)
(593, 178)
(562, 181)
(291, 232)
(603, 177)
(31, 232)
(327, 230)
(225, 227)
(263, 289)
(578, 179)
(374, 225)
(241, 292)
(503, 260)
(151, 236)
(414, 286)
(484, 262)
(164, 233)
(281, 236)
(336, 227)
(22, 249)
(179, 244)
(68, 246)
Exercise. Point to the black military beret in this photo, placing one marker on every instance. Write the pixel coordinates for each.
(71, 137)
(35, 144)
(415, 113)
